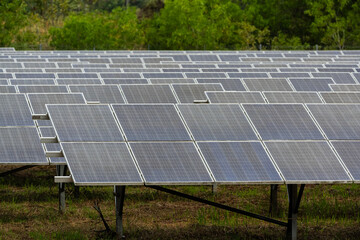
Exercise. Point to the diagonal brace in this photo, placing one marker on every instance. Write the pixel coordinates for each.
(218, 205)
(3, 174)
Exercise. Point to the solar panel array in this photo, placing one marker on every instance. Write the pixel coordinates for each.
(128, 117)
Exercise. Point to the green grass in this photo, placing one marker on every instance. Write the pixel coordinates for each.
(29, 210)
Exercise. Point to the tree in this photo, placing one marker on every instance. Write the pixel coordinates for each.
(333, 19)
(12, 18)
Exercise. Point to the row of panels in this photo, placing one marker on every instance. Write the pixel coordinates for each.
(200, 144)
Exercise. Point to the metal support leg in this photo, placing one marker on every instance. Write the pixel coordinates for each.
(61, 171)
(214, 188)
(273, 199)
(291, 233)
(119, 204)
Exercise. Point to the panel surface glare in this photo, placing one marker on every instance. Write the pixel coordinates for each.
(236, 162)
(170, 163)
(101, 164)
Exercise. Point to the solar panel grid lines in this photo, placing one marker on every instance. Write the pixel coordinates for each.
(337, 121)
(106, 94)
(234, 97)
(150, 122)
(341, 97)
(21, 146)
(96, 124)
(348, 152)
(239, 162)
(15, 110)
(37, 101)
(117, 166)
(216, 122)
(187, 93)
(42, 88)
(148, 93)
(311, 84)
(292, 97)
(345, 87)
(171, 163)
(282, 122)
(307, 162)
(267, 84)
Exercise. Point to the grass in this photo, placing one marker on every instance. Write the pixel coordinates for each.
(29, 210)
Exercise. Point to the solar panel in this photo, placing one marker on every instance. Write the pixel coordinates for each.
(292, 97)
(217, 122)
(101, 164)
(170, 163)
(204, 58)
(187, 93)
(282, 122)
(349, 152)
(229, 84)
(42, 89)
(311, 84)
(77, 75)
(100, 93)
(7, 89)
(120, 75)
(307, 162)
(290, 75)
(32, 82)
(21, 146)
(14, 110)
(34, 75)
(84, 123)
(163, 75)
(337, 77)
(345, 87)
(248, 75)
(39, 65)
(267, 84)
(147, 93)
(171, 80)
(338, 121)
(239, 162)
(125, 81)
(78, 81)
(341, 97)
(151, 122)
(234, 97)
(39, 100)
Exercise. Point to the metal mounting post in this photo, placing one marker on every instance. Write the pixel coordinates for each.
(119, 192)
(273, 200)
(291, 233)
(61, 171)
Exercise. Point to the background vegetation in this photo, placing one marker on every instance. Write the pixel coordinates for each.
(180, 24)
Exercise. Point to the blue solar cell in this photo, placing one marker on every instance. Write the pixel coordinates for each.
(151, 122)
(239, 162)
(217, 122)
(282, 122)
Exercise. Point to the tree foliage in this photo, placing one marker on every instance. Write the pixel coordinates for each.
(12, 18)
(181, 24)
